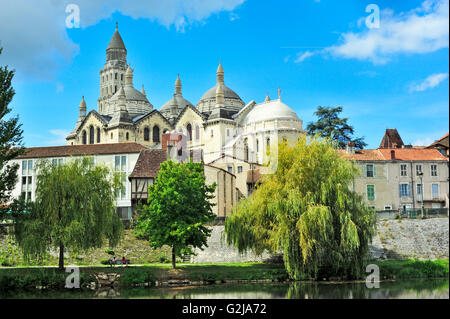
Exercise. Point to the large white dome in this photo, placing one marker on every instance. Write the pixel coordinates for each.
(268, 111)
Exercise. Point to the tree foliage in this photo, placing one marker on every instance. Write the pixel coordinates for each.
(74, 209)
(307, 210)
(330, 125)
(10, 138)
(178, 208)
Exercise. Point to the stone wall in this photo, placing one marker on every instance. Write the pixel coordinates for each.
(219, 252)
(411, 239)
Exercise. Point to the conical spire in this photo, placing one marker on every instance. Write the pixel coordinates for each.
(82, 107)
(178, 85)
(129, 77)
(279, 93)
(267, 98)
(116, 40)
(220, 73)
(143, 90)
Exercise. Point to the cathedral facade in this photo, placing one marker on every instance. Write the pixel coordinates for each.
(221, 126)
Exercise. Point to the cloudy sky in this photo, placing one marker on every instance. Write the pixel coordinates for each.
(386, 73)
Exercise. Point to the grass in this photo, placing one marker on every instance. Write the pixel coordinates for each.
(413, 269)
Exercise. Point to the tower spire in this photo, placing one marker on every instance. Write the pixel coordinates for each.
(178, 85)
(220, 74)
(279, 93)
(82, 108)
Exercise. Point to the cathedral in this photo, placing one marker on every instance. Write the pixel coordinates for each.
(221, 128)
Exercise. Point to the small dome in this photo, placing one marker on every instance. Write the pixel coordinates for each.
(271, 110)
(177, 100)
(131, 94)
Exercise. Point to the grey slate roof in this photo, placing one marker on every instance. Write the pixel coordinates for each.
(116, 41)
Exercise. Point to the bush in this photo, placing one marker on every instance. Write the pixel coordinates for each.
(163, 258)
(132, 276)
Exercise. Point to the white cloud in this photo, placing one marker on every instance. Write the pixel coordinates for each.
(34, 36)
(423, 142)
(421, 30)
(60, 137)
(303, 56)
(430, 82)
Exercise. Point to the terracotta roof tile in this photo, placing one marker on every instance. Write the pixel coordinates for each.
(253, 176)
(401, 154)
(80, 150)
(147, 165)
(391, 139)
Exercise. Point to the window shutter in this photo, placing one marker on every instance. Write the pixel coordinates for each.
(400, 190)
(409, 190)
(365, 170)
(374, 171)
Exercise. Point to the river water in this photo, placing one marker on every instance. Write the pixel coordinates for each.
(405, 289)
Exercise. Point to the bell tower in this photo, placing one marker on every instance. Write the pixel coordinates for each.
(113, 74)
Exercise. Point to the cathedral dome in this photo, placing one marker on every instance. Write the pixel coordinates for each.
(178, 101)
(269, 111)
(227, 92)
(131, 94)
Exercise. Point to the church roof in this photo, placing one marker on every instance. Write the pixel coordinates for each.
(177, 100)
(147, 165)
(391, 139)
(116, 41)
(131, 94)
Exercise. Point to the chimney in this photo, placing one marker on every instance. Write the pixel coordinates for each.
(392, 154)
(350, 149)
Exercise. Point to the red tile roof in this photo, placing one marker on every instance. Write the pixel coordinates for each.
(401, 154)
(147, 165)
(80, 150)
(391, 139)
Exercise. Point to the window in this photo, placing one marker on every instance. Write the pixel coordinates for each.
(228, 132)
(370, 170)
(419, 191)
(434, 170)
(112, 135)
(115, 76)
(257, 145)
(189, 132)
(56, 161)
(387, 207)
(239, 169)
(405, 190)
(418, 169)
(435, 190)
(83, 137)
(197, 132)
(370, 192)
(146, 134)
(212, 133)
(121, 77)
(91, 135)
(230, 169)
(156, 134)
(27, 179)
(268, 142)
(120, 165)
(98, 135)
(246, 150)
(403, 171)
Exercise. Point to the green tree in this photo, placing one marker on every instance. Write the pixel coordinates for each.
(308, 211)
(10, 140)
(74, 209)
(178, 208)
(330, 125)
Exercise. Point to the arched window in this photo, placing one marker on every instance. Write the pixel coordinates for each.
(268, 142)
(127, 136)
(257, 145)
(115, 88)
(91, 135)
(98, 135)
(83, 135)
(189, 132)
(156, 134)
(146, 134)
(246, 150)
(115, 76)
(197, 132)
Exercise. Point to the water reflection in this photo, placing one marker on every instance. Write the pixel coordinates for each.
(411, 289)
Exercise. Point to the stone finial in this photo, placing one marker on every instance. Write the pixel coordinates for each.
(220, 98)
(129, 77)
(267, 98)
(178, 85)
(279, 93)
(220, 74)
(82, 107)
(143, 90)
(122, 99)
(117, 25)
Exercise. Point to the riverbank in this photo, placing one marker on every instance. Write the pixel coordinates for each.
(162, 275)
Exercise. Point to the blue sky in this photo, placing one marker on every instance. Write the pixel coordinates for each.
(318, 52)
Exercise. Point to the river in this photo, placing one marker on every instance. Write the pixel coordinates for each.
(405, 289)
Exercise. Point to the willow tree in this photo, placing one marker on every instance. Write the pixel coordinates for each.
(74, 210)
(307, 210)
(179, 206)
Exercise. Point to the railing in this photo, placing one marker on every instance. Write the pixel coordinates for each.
(413, 213)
